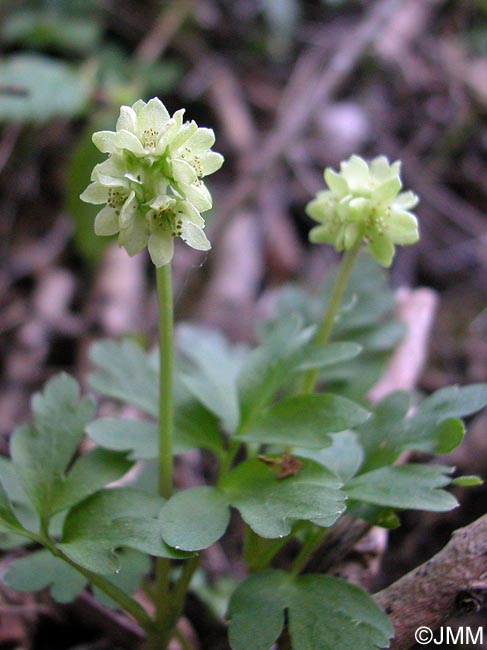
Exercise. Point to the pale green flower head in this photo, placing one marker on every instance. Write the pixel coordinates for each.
(151, 183)
(364, 202)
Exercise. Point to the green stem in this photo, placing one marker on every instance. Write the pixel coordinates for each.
(323, 334)
(166, 363)
(123, 600)
(310, 545)
(182, 586)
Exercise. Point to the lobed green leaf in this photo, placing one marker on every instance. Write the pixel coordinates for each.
(322, 612)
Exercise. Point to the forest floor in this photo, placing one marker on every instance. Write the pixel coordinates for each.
(402, 78)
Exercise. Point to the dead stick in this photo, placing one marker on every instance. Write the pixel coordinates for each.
(451, 582)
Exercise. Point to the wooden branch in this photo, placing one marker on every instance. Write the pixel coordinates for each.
(451, 582)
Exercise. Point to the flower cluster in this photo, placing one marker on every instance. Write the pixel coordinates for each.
(364, 203)
(152, 182)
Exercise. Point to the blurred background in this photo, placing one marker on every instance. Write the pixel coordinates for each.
(289, 86)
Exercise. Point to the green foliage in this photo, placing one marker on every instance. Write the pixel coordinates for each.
(271, 505)
(213, 380)
(194, 519)
(47, 29)
(322, 612)
(41, 570)
(8, 520)
(42, 88)
(435, 426)
(269, 365)
(417, 487)
(124, 372)
(343, 457)
(305, 419)
(364, 319)
(42, 452)
(109, 520)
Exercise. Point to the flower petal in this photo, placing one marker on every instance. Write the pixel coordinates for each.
(198, 194)
(104, 141)
(152, 115)
(211, 162)
(380, 169)
(162, 202)
(382, 249)
(403, 227)
(356, 172)
(127, 140)
(337, 184)
(127, 119)
(182, 171)
(183, 135)
(128, 211)
(190, 213)
(388, 190)
(95, 193)
(135, 237)
(406, 201)
(194, 236)
(106, 222)
(323, 234)
(161, 247)
(201, 140)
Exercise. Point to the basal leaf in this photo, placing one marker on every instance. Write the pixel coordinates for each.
(124, 372)
(92, 471)
(138, 437)
(112, 519)
(133, 567)
(268, 366)
(196, 427)
(41, 570)
(305, 420)
(412, 486)
(426, 430)
(195, 519)
(343, 457)
(322, 612)
(212, 374)
(42, 451)
(8, 520)
(271, 505)
(328, 355)
(378, 436)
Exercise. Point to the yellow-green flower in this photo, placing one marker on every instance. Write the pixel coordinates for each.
(364, 202)
(151, 183)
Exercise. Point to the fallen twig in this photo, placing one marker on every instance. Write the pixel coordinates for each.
(450, 583)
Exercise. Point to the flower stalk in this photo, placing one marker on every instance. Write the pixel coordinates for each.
(323, 334)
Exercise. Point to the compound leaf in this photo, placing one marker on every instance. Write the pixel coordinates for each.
(124, 372)
(212, 374)
(195, 519)
(305, 420)
(322, 612)
(41, 570)
(112, 519)
(41, 452)
(407, 486)
(271, 505)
